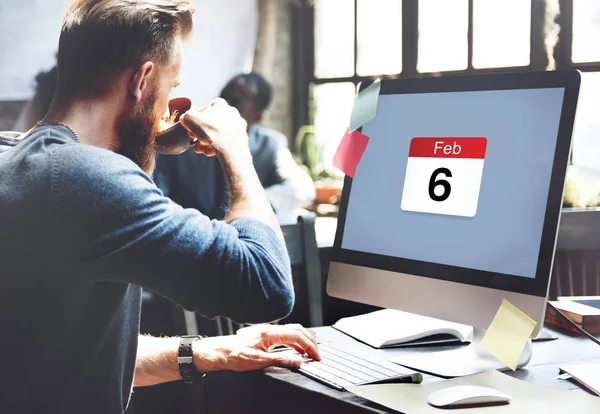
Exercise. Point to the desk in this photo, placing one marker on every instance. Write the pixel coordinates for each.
(278, 390)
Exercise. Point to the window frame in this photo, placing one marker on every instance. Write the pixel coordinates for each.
(538, 60)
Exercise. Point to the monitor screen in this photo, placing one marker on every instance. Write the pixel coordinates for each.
(455, 203)
(457, 178)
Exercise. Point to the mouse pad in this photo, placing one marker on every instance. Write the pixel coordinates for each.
(526, 397)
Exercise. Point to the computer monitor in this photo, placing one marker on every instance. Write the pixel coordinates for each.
(456, 201)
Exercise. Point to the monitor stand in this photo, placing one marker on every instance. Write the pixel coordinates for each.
(461, 361)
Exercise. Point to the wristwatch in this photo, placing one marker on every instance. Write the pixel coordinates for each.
(185, 359)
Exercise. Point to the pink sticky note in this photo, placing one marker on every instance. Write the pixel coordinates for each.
(350, 151)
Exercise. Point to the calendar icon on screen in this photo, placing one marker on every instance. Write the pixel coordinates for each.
(443, 175)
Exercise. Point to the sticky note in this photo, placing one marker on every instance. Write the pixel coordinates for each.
(365, 105)
(508, 333)
(351, 148)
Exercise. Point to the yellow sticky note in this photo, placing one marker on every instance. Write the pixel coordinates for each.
(508, 333)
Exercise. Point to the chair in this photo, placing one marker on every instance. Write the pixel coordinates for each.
(301, 242)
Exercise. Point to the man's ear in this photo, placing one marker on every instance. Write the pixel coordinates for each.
(139, 80)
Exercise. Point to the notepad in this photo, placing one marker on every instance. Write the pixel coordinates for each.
(389, 328)
(583, 313)
(586, 374)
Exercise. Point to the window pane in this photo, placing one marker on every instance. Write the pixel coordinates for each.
(586, 31)
(332, 106)
(443, 27)
(379, 37)
(586, 134)
(334, 38)
(501, 33)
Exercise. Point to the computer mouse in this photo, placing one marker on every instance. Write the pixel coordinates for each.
(466, 395)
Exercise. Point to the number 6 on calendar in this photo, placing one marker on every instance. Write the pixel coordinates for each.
(443, 175)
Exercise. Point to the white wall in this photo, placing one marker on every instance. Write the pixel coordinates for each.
(30, 31)
(221, 46)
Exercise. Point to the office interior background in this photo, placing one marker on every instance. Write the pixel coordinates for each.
(316, 52)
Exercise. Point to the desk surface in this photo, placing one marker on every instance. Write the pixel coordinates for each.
(278, 390)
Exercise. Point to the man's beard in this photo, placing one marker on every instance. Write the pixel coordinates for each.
(137, 135)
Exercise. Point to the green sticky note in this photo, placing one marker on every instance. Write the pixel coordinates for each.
(508, 333)
(365, 105)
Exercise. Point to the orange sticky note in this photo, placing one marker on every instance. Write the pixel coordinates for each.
(351, 148)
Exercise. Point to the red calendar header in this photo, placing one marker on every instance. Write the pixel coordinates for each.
(448, 147)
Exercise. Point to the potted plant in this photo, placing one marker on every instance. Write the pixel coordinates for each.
(310, 153)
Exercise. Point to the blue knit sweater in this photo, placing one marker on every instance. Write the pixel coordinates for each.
(82, 229)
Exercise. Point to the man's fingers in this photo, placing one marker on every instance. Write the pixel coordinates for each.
(307, 345)
(203, 146)
(309, 333)
(293, 335)
(193, 122)
(305, 339)
(295, 339)
(210, 152)
(282, 359)
(254, 359)
(207, 151)
(218, 101)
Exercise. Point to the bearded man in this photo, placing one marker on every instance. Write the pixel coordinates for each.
(84, 228)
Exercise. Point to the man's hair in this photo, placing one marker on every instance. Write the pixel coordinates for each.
(264, 90)
(101, 38)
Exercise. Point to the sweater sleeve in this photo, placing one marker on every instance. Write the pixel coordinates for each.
(120, 228)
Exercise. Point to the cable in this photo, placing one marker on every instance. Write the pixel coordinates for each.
(577, 327)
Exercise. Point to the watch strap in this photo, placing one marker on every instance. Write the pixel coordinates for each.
(185, 359)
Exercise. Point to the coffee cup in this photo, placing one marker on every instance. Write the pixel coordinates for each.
(175, 139)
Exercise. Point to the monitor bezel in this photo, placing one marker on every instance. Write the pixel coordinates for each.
(538, 286)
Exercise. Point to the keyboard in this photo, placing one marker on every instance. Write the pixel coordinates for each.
(340, 369)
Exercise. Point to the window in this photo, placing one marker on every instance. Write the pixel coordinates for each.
(334, 38)
(585, 55)
(586, 133)
(379, 37)
(333, 104)
(501, 33)
(586, 31)
(363, 39)
(443, 40)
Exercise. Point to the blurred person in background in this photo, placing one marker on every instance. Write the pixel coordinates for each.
(199, 182)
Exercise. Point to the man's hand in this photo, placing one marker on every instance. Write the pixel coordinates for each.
(221, 131)
(249, 349)
(219, 128)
